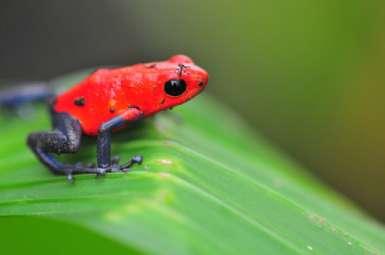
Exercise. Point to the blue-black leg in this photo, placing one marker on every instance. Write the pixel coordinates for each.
(17, 99)
(104, 148)
(65, 138)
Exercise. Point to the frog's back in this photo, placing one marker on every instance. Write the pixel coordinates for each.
(94, 101)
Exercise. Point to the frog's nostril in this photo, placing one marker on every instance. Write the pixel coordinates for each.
(203, 82)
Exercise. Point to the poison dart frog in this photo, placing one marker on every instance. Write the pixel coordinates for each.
(109, 100)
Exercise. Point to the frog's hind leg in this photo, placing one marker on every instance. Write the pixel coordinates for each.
(65, 138)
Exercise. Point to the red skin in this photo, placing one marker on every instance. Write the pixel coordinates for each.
(108, 93)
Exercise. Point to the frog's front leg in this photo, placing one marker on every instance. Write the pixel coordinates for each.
(104, 142)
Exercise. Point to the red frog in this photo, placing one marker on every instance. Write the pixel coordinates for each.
(108, 100)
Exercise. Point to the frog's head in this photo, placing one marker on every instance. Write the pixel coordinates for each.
(178, 80)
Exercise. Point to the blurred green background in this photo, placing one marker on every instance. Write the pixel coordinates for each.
(309, 75)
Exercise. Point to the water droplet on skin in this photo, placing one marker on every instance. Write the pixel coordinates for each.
(349, 243)
(309, 248)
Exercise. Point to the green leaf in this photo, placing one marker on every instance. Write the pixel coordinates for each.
(208, 185)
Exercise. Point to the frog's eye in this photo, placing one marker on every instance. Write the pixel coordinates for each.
(175, 87)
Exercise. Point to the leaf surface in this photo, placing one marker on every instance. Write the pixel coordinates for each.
(208, 185)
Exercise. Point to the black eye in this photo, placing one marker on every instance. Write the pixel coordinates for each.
(175, 87)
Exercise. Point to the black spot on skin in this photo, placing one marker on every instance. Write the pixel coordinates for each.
(79, 101)
(201, 83)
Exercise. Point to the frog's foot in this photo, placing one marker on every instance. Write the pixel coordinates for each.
(80, 168)
(116, 167)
